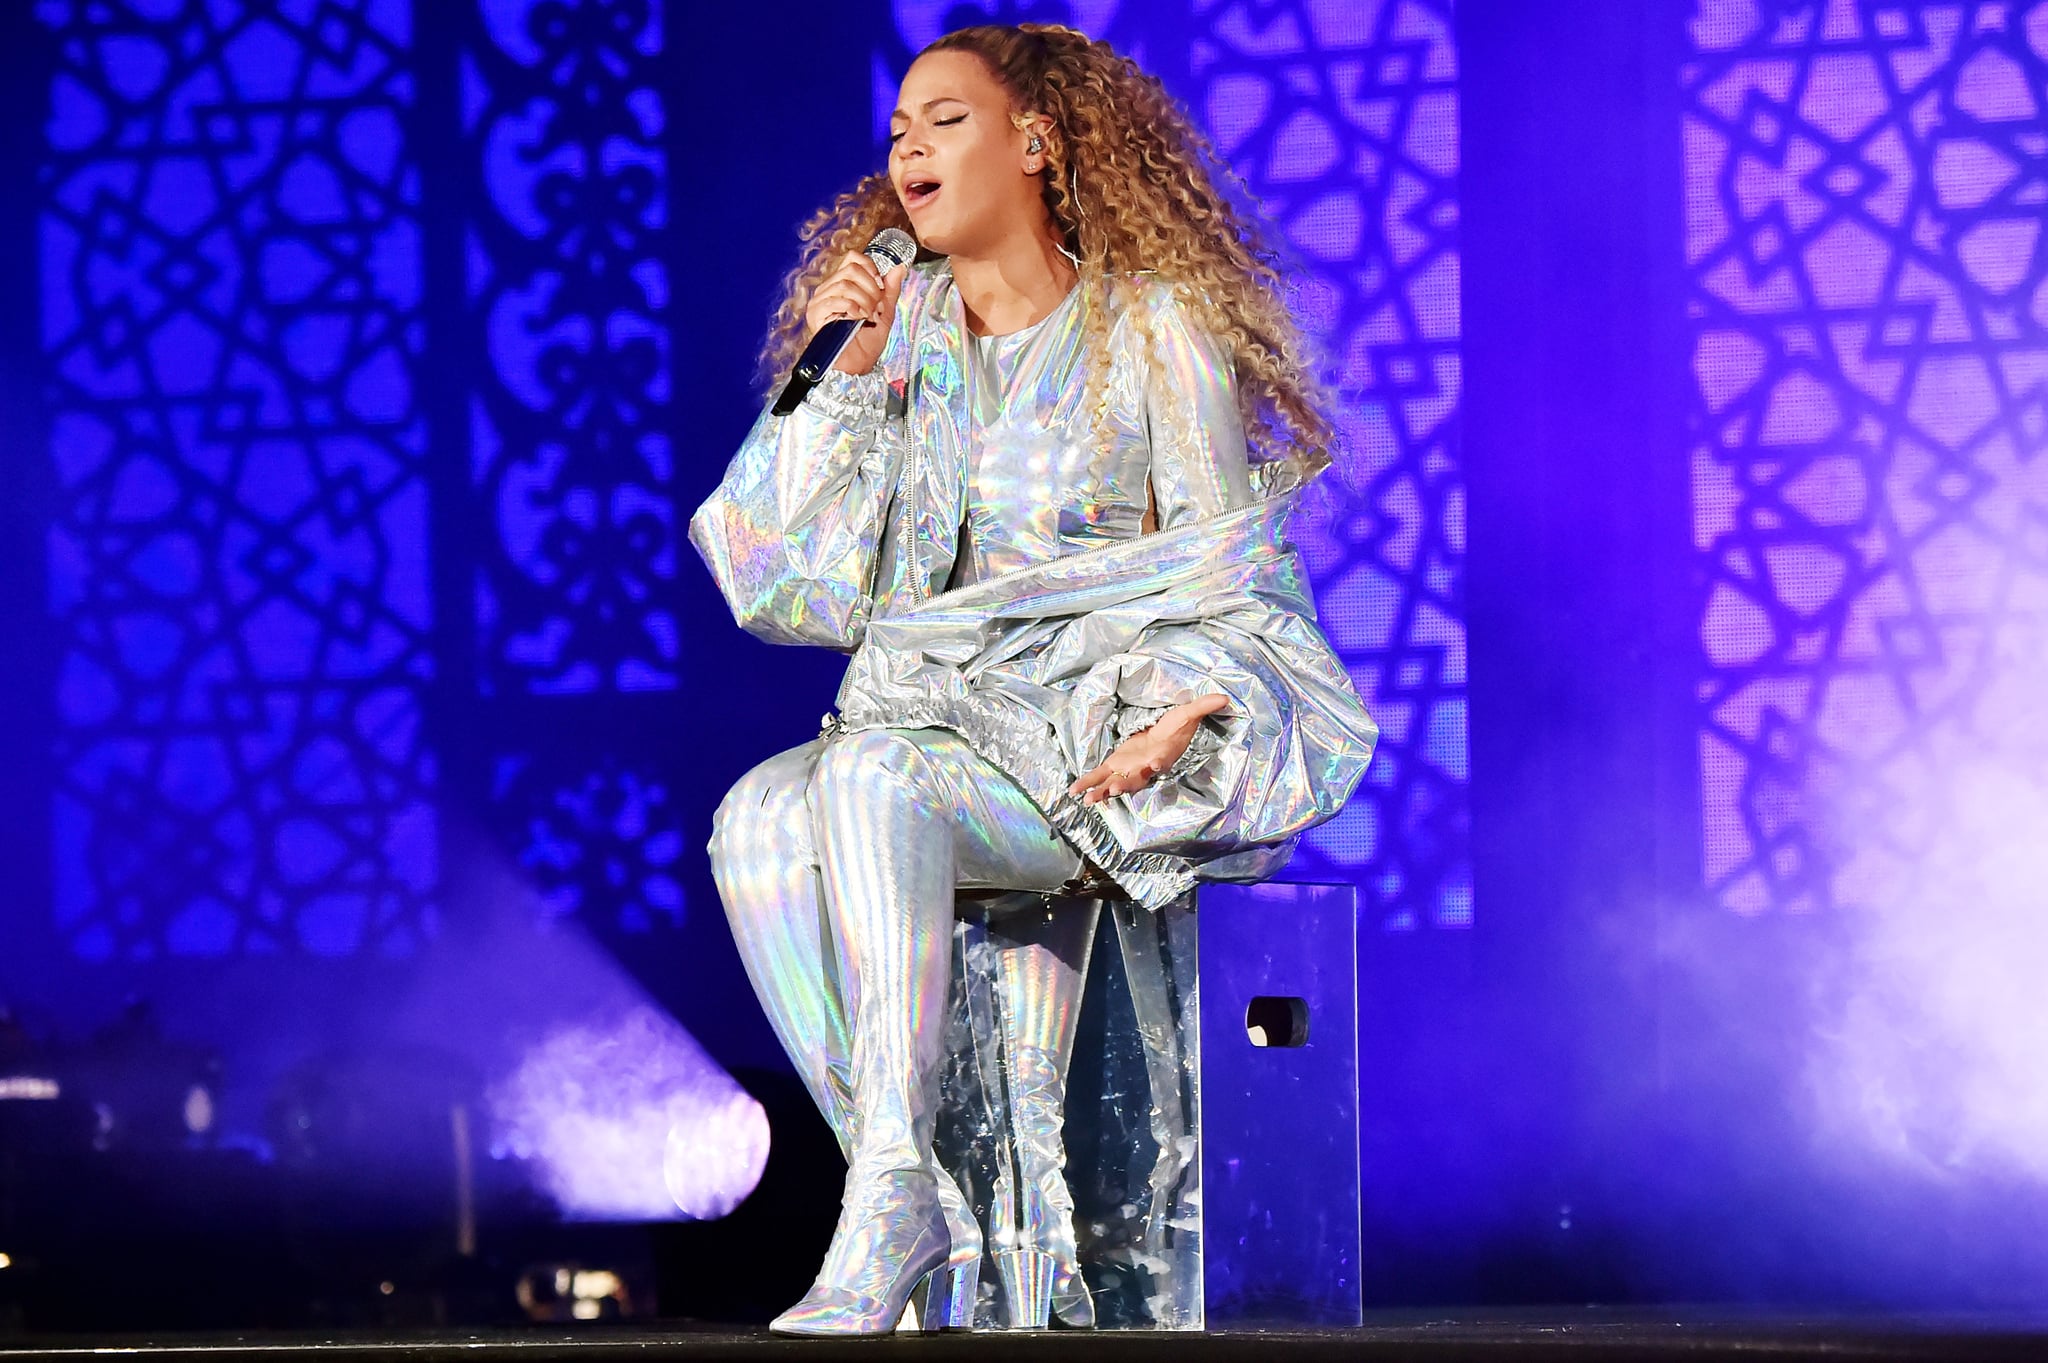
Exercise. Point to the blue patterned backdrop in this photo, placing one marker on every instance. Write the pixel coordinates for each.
(1343, 121)
(1869, 315)
(567, 291)
(245, 565)
(567, 415)
(231, 315)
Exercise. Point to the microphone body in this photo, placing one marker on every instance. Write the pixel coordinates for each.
(891, 247)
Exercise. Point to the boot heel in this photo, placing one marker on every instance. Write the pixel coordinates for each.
(1073, 1308)
(1027, 1286)
(949, 1296)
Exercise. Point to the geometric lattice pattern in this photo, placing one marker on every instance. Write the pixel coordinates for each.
(608, 835)
(238, 559)
(1342, 120)
(567, 294)
(567, 234)
(1865, 187)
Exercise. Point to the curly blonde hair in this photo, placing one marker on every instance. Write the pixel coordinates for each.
(1132, 185)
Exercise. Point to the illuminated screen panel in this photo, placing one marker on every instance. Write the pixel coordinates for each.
(238, 557)
(1869, 315)
(566, 309)
(567, 292)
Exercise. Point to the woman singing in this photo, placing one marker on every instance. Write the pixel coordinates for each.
(1040, 498)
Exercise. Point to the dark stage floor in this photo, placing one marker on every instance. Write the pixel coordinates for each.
(1674, 1333)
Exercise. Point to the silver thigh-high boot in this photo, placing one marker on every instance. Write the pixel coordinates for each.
(1042, 965)
(766, 869)
(885, 845)
(765, 863)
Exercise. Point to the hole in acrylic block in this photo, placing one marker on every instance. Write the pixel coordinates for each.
(1276, 1020)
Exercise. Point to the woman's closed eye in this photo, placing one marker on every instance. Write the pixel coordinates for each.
(936, 123)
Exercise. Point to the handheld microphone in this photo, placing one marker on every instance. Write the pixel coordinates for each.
(891, 247)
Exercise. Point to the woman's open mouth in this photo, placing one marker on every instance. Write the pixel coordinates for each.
(918, 193)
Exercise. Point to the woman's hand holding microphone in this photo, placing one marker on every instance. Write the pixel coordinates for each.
(857, 288)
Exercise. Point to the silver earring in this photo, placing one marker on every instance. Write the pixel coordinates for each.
(1037, 144)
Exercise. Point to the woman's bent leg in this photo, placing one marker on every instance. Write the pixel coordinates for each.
(904, 818)
(765, 864)
(764, 860)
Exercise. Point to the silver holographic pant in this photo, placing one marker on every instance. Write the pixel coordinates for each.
(845, 856)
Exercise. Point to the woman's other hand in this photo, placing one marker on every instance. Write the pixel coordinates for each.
(1145, 754)
(857, 288)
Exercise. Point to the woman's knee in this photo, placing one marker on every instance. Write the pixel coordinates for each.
(869, 761)
(765, 813)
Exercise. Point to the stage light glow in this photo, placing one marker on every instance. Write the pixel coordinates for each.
(1932, 1054)
(629, 1119)
(591, 1284)
(569, 1292)
(199, 1109)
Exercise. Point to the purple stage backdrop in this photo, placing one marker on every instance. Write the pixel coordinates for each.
(1864, 201)
(231, 312)
(233, 297)
(1868, 305)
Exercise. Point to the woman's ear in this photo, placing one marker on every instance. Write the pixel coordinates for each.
(1037, 130)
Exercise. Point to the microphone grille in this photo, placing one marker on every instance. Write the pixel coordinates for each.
(891, 247)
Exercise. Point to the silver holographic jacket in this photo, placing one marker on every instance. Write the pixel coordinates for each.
(954, 520)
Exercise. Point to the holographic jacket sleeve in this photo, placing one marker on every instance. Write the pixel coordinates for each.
(790, 533)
